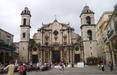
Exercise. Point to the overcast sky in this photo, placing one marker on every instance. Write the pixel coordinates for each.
(66, 11)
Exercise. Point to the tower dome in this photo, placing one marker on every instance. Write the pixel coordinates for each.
(25, 11)
(86, 10)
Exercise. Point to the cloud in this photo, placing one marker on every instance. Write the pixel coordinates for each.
(44, 11)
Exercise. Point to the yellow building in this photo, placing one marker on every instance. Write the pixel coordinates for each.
(111, 40)
(101, 34)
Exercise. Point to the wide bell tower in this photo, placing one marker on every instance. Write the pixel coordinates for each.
(88, 31)
(24, 35)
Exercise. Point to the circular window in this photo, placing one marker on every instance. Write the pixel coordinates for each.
(55, 32)
(77, 49)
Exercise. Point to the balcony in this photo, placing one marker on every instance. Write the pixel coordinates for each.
(109, 34)
(7, 47)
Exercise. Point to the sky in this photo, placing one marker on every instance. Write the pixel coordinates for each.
(66, 11)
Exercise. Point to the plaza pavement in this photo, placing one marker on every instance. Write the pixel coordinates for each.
(89, 70)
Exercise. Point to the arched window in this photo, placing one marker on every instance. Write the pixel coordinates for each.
(88, 20)
(89, 33)
(24, 22)
(24, 35)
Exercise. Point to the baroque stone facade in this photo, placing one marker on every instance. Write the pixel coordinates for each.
(58, 43)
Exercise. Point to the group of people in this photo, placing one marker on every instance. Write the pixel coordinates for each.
(11, 68)
(101, 66)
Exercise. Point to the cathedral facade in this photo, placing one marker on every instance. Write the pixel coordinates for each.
(55, 42)
(58, 43)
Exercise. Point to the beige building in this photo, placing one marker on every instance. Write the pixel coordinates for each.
(6, 46)
(88, 30)
(111, 39)
(58, 43)
(101, 35)
(54, 42)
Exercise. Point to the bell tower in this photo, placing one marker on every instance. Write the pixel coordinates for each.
(88, 31)
(24, 35)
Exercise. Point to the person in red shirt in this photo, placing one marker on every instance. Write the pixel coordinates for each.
(21, 68)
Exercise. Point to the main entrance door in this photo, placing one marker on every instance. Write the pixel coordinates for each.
(77, 58)
(55, 56)
(34, 58)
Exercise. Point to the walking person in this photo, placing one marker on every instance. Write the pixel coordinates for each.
(10, 68)
(110, 66)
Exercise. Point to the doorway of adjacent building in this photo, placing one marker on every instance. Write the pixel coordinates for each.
(55, 56)
(77, 58)
(1, 58)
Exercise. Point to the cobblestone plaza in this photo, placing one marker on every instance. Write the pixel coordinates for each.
(90, 70)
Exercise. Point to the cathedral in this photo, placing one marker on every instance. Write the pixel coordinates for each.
(57, 42)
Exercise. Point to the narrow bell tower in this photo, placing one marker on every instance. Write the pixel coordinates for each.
(88, 31)
(24, 35)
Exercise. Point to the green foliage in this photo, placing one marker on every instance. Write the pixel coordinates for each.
(38, 44)
(32, 43)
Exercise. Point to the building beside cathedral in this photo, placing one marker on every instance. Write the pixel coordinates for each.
(55, 42)
(101, 34)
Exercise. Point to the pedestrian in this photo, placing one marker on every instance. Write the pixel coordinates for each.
(98, 65)
(102, 67)
(110, 66)
(25, 68)
(10, 68)
(38, 66)
(21, 69)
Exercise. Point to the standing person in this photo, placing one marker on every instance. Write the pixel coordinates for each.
(102, 66)
(111, 66)
(98, 65)
(38, 66)
(21, 69)
(10, 68)
(25, 68)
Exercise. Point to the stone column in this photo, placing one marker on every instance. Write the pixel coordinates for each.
(50, 56)
(44, 55)
(73, 55)
(61, 56)
(67, 55)
(70, 56)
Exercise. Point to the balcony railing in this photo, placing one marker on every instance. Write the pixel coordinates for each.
(7, 47)
(109, 34)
